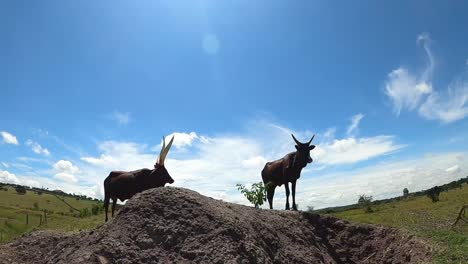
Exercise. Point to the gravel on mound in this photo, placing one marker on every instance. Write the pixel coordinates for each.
(176, 225)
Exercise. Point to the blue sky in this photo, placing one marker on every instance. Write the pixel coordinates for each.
(91, 87)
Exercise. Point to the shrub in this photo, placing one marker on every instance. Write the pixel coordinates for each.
(310, 209)
(365, 201)
(405, 192)
(433, 194)
(85, 212)
(96, 209)
(20, 189)
(36, 206)
(256, 195)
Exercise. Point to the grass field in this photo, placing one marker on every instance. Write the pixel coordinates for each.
(428, 220)
(15, 208)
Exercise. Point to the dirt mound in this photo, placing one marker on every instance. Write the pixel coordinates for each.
(167, 225)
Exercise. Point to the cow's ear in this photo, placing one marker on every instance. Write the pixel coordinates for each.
(296, 146)
(311, 147)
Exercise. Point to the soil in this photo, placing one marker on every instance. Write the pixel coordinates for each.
(176, 225)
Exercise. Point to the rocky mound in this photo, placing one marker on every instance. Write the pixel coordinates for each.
(174, 225)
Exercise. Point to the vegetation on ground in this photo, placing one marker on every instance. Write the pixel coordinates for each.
(23, 210)
(429, 220)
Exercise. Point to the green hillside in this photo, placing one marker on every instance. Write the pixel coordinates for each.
(428, 220)
(35, 204)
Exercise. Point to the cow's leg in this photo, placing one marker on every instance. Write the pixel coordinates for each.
(286, 186)
(106, 204)
(270, 194)
(114, 201)
(293, 186)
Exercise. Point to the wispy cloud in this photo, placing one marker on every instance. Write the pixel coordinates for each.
(120, 117)
(353, 127)
(353, 150)
(8, 138)
(36, 148)
(408, 90)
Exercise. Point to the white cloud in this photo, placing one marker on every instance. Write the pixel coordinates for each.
(65, 171)
(355, 120)
(352, 150)
(454, 168)
(447, 108)
(36, 148)
(382, 180)
(8, 177)
(414, 91)
(121, 118)
(9, 138)
(70, 178)
(181, 140)
(405, 90)
(6, 165)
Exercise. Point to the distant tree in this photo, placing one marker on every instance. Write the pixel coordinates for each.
(256, 195)
(20, 189)
(310, 209)
(405, 192)
(365, 201)
(433, 193)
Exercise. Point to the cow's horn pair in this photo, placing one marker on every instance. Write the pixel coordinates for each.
(164, 151)
(299, 143)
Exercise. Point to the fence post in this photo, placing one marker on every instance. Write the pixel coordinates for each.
(45, 216)
(27, 219)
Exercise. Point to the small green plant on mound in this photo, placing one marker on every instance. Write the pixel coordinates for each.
(257, 193)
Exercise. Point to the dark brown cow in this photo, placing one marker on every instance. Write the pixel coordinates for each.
(123, 185)
(285, 170)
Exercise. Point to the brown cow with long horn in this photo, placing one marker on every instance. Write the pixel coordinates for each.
(285, 170)
(123, 185)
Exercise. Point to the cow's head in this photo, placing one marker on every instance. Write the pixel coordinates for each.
(303, 151)
(160, 173)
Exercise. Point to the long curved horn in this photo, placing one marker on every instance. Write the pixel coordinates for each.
(166, 150)
(310, 141)
(161, 152)
(297, 141)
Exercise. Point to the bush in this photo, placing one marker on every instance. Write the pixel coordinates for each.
(405, 192)
(96, 209)
(20, 189)
(433, 194)
(256, 195)
(36, 206)
(365, 201)
(310, 209)
(85, 212)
